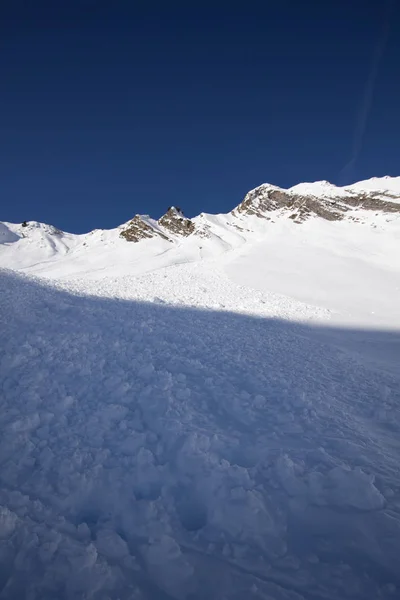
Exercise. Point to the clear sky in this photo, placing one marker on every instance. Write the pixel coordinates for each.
(109, 108)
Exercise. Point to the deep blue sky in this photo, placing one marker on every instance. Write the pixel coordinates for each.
(109, 108)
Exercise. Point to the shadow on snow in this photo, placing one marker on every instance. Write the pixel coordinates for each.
(155, 451)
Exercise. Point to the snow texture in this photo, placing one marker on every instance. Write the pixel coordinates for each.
(150, 450)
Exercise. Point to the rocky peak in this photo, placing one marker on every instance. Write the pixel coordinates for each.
(176, 223)
(173, 222)
(265, 199)
(140, 228)
(321, 199)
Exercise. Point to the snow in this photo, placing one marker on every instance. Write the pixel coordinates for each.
(347, 268)
(216, 417)
(319, 189)
(6, 235)
(386, 184)
(154, 450)
(377, 185)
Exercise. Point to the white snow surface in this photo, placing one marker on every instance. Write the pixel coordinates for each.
(383, 186)
(152, 450)
(212, 418)
(386, 184)
(320, 189)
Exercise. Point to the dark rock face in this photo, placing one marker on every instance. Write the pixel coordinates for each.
(265, 199)
(373, 201)
(175, 222)
(137, 230)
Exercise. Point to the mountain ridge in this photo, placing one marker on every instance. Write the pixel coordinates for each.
(320, 198)
(143, 243)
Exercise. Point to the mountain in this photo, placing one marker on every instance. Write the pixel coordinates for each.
(331, 247)
(324, 199)
(299, 203)
(205, 408)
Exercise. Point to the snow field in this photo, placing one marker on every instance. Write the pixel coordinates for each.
(157, 451)
(203, 285)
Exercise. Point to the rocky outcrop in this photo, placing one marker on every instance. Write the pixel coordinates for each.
(175, 222)
(266, 198)
(374, 201)
(137, 229)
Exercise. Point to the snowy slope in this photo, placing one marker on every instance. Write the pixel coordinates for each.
(385, 185)
(379, 185)
(158, 452)
(210, 412)
(36, 249)
(349, 268)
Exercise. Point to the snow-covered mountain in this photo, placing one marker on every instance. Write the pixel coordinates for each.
(299, 203)
(205, 408)
(331, 247)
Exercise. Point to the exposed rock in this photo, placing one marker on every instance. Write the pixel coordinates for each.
(175, 222)
(299, 203)
(202, 232)
(374, 201)
(263, 199)
(137, 229)
(267, 198)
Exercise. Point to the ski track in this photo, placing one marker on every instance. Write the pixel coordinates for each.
(163, 446)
